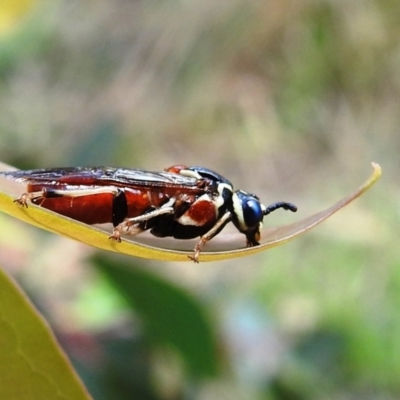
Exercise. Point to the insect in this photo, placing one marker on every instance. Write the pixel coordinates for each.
(180, 202)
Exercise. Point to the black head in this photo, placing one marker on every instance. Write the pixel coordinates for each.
(248, 214)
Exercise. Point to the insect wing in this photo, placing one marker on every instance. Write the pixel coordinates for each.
(56, 175)
(104, 176)
(138, 177)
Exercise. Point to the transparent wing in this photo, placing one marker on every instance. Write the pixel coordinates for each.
(104, 176)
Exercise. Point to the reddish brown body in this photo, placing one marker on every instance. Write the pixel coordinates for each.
(97, 208)
(97, 196)
(93, 209)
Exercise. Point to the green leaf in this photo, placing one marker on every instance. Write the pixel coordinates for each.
(228, 245)
(32, 364)
(170, 315)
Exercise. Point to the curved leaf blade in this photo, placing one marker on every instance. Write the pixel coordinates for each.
(272, 237)
(32, 364)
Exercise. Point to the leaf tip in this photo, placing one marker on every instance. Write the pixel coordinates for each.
(377, 169)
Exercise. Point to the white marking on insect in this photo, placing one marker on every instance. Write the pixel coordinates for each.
(238, 210)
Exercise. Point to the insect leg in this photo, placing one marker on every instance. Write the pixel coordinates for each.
(48, 193)
(26, 197)
(219, 225)
(131, 225)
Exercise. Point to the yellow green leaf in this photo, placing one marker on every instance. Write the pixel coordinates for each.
(32, 364)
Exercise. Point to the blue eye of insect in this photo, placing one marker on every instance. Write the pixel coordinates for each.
(252, 212)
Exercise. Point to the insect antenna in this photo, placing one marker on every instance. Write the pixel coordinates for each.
(280, 204)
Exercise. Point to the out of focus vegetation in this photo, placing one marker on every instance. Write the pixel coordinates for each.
(290, 100)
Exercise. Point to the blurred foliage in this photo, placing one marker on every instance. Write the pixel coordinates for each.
(287, 99)
(12, 12)
(169, 315)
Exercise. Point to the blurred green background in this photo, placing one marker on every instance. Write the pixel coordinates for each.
(291, 100)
